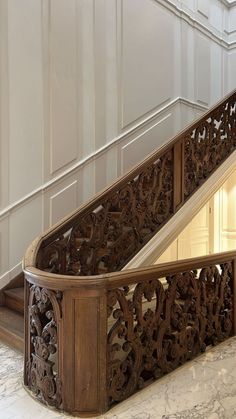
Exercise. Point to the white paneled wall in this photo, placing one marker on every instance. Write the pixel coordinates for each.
(88, 89)
(193, 241)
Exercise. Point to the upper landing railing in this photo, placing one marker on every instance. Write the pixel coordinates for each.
(103, 235)
(94, 335)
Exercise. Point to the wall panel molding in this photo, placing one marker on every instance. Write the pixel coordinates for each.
(122, 138)
(4, 106)
(228, 3)
(190, 17)
(63, 83)
(63, 202)
(146, 84)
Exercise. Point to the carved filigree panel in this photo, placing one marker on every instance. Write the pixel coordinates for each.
(208, 145)
(42, 367)
(163, 323)
(107, 237)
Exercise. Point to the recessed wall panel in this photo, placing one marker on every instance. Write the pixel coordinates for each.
(203, 69)
(89, 183)
(25, 224)
(203, 7)
(151, 139)
(217, 15)
(216, 73)
(25, 97)
(4, 246)
(232, 71)
(63, 78)
(112, 165)
(188, 61)
(63, 202)
(147, 58)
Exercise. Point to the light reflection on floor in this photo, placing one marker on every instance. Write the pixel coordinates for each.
(201, 389)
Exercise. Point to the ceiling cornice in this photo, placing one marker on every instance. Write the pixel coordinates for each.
(229, 3)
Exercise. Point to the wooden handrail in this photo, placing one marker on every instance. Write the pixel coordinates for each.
(95, 334)
(125, 277)
(104, 234)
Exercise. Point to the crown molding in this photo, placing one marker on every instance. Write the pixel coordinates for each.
(191, 17)
(228, 3)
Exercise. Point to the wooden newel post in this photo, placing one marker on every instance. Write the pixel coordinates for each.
(84, 351)
(234, 296)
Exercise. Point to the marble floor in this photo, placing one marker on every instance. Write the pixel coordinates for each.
(201, 389)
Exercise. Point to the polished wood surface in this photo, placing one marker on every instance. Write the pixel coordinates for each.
(104, 234)
(16, 282)
(12, 328)
(14, 299)
(95, 334)
(12, 314)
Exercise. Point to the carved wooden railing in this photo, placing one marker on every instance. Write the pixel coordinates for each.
(94, 335)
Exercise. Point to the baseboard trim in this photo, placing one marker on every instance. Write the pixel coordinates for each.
(191, 18)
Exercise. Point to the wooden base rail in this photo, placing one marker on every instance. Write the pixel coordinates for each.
(92, 342)
(94, 334)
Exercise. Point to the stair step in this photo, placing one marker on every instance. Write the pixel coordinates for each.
(14, 299)
(12, 328)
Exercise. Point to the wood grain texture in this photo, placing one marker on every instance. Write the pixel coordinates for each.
(14, 299)
(160, 324)
(107, 233)
(12, 328)
(17, 282)
(153, 326)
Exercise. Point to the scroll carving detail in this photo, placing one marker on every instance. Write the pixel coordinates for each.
(162, 325)
(208, 145)
(43, 378)
(106, 238)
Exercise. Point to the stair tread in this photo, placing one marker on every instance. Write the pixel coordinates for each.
(12, 322)
(17, 293)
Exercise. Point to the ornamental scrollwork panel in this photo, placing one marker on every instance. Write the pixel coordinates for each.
(158, 325)
(109, 234)
(42, 366)
(208, 145)
(105, 239)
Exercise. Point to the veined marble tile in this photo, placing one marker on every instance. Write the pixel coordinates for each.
(202, 389)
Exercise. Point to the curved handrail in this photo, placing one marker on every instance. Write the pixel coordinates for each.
(114, 279)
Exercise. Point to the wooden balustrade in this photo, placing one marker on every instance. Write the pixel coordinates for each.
(94, 334)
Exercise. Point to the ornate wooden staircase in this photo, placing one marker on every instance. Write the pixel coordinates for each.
(95, 334)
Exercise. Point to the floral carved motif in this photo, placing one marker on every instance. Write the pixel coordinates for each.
(208, 145)
(42, 367)
(161, 324)
(107, 237)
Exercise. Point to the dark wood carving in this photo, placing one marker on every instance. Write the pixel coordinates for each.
(153, 325)
(42, 368)
(105, 239)
(112, 230)
(208, 145)
(158, 327)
